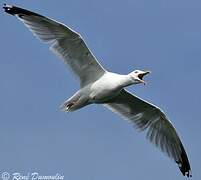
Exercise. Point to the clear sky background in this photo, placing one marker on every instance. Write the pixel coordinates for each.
(163, 36)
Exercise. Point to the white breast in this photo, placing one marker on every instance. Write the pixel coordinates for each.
(105, 88)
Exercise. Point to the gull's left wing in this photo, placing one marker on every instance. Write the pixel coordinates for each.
(160, 130)
(65, 42)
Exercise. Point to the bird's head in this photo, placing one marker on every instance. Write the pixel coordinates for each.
(137, 76)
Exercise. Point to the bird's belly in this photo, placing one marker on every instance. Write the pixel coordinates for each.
(100, 94)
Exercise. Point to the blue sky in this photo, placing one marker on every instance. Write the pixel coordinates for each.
(163, 36)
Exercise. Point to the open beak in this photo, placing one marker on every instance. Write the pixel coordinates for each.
(141, 75)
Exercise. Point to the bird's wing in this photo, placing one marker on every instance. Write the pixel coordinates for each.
(160, 131)
(65, 42)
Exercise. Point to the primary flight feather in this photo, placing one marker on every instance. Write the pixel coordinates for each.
(98, 85)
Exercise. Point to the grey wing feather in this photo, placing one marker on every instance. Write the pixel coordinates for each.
(65, 42)
(160, 131)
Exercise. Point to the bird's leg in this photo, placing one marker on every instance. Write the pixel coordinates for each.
(68, 106)
(69, 103)
(75, 102)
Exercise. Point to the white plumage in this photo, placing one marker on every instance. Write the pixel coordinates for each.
(103, 87)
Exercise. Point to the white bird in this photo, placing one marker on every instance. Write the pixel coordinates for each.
(103, 87)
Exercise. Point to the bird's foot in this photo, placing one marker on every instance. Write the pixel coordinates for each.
(66, 106)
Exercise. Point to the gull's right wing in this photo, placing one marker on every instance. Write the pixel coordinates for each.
(160, 130)
(65, 42)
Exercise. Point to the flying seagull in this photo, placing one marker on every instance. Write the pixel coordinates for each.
(100, 86)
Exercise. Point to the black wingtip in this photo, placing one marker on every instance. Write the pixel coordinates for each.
(184, 164)
(13, 10)
(8, 8)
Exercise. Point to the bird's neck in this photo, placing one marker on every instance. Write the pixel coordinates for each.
(126, 80)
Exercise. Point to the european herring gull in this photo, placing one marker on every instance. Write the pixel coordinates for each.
(98, 85)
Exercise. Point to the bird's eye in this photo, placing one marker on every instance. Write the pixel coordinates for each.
(136, 72)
